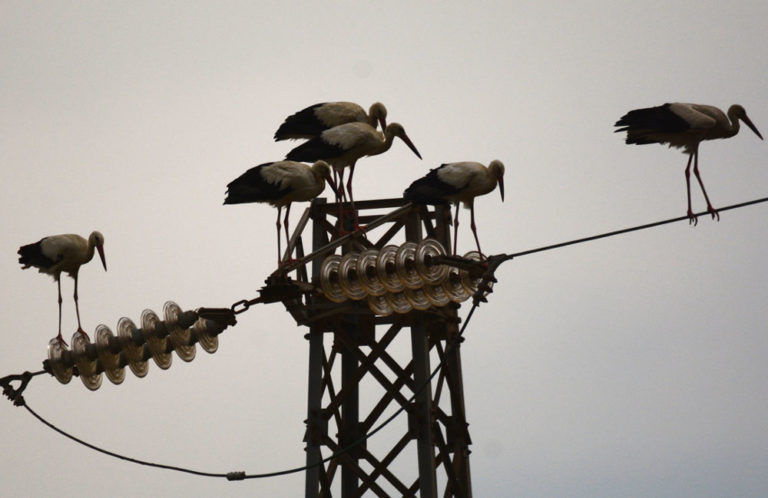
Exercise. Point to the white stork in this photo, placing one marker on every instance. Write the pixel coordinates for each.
(310, 122)
(280, 183)
(684, 126)
(456, 183)
(63, 253)
(343, 145)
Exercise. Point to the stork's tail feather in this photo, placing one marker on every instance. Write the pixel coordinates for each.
(303, 124)
(241, 195)
(423, 194)
(32, 255)
(642, 125)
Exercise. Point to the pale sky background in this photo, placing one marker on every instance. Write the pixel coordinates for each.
(630, 366)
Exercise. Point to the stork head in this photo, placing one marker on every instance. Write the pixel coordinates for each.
(323, 171)
(397, 130)
(378, 114)
(96, 240)
(497, 170)
(737, 112)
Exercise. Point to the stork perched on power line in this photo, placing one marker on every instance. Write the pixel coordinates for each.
(456, 183)
(63, 253)
(310, 122)
(684, 126)
(280, 183)
(343, 145)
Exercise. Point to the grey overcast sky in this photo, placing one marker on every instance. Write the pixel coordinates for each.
(630, 366)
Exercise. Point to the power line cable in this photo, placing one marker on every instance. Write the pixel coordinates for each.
(238, 476)
(494, 262)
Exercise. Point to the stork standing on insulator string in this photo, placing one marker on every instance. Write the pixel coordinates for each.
(63, 253)
(456, 183)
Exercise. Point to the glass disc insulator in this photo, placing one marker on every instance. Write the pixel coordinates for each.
(207, 341)
(181, 339)
(133, 353)
(387, 269)
(367, 274)
(158, 347)
(329, 279)
(453, 287)
(398, 302)
(405, 263)
(417, 299)
(109, 361)
(431, 273)
(56, 352)
(348, 278)
(379, 305)
(88, 369)
(436, 295)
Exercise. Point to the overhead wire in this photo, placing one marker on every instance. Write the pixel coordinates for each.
(239, 475)
(489, 276)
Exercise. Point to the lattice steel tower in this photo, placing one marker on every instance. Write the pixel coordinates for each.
(363, 365)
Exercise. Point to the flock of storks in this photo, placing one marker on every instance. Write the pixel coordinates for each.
(339, 133)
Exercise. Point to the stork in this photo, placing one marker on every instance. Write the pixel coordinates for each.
(456, 183)
(280, 183)
(63, 253)
(684, 126)
(310, 122)
(343, 145)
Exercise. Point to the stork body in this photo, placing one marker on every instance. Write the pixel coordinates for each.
(59, 254)
(684, 126)
(310, 122)
(279, 184)
(341, 146)
(456, 183)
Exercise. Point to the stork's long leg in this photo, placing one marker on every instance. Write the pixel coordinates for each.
(338, 179)
(77, 309)
(285, 224)
(472, 224)
(711, 210)
(341, 182)
(277, 224)
(455, 228)
(351, 199)
(59, 337)
(691, 216)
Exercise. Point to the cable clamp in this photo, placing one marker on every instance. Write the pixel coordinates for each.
(15, 394)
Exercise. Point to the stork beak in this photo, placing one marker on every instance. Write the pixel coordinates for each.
(333, 185)
(410, 145)
(383, 123)
(101, 255)
(751, 126)
(501, 187)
